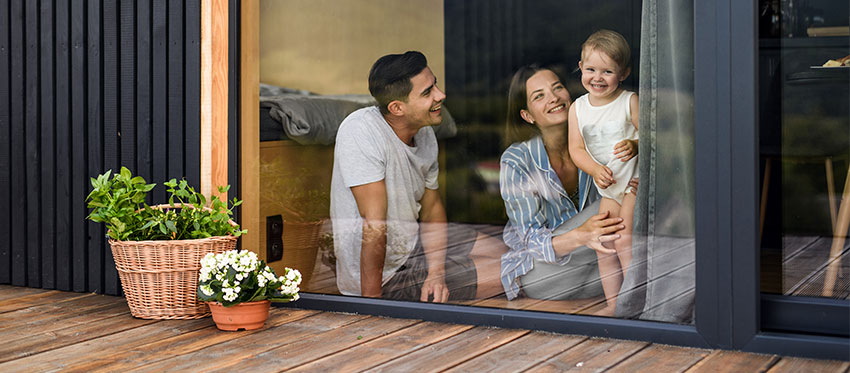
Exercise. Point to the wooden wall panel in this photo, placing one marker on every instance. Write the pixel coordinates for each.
(5, 136)
(192, 88)
(102, 273)
(32, 171)
(175, 89)
(70, 256)
(233, 112)
(49, 132)
(18, 162)
(61, 92)
(89, 257)
(159, 92)
(87, 86)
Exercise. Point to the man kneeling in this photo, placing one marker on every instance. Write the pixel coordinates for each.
(391, 239)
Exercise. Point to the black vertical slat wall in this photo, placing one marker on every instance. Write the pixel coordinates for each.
(86, 86)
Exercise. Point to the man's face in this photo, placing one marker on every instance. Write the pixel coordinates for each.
(425, 100)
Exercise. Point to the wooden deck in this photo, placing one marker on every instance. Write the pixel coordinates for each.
(45, 330)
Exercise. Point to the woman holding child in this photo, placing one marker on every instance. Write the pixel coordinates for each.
(556, 230)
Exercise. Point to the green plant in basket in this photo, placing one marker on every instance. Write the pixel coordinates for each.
(234, 277)
(119, 201)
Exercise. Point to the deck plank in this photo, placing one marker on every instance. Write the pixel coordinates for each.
(520, 354)
(17, 303)
(799, 269)
(66, 336)
(44, 313)
(794, 365)
(452, 351)
(385, 348)
(662, 358)
(26, 328)
(734, 361)
(9, 291)
(793, 245)
(137, 349)
(292, 355)
(88, 355)
(248, 345)
(593, 354)
(813, 286)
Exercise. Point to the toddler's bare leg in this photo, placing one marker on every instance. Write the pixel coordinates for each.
(609, 264)
(623, 245)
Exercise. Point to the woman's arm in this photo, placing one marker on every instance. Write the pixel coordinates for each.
(602, 175)
(591, 233)
(524, 208)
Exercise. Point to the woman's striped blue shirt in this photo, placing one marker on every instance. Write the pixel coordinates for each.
(536, 203)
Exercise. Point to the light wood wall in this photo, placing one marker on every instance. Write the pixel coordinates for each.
(328, 46)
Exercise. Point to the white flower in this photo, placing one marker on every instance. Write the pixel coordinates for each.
(248, 269)
(293, 274)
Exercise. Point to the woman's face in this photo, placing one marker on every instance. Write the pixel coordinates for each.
(548, 101)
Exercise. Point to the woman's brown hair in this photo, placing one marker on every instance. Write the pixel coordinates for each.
(515, 126)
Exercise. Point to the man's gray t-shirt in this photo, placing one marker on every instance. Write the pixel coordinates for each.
(367, 150)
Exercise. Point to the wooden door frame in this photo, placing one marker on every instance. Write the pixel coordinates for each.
(249, 100)
(214, 108)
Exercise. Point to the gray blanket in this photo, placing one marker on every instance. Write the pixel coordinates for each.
(314, 119)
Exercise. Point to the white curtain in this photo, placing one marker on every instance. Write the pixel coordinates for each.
(659, 285)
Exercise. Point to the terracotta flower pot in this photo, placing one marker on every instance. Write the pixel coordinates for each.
(243, 316)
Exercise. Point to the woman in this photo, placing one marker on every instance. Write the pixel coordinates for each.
(552, 231)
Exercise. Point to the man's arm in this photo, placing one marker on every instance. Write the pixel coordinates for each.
(433, 219)
(372, 203)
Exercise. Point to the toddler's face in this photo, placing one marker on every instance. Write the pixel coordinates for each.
(601, 77)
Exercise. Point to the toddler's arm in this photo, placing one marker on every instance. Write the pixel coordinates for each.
(601, 174)
(628, 149)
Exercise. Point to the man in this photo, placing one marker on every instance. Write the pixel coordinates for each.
(390, 231)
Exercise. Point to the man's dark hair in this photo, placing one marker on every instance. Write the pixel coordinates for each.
(389, 78)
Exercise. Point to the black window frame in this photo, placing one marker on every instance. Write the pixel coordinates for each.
(729, 303)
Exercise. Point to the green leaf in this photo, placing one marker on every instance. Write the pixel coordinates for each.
(171, 226)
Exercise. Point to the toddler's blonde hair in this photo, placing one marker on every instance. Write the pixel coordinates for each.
(612, 44)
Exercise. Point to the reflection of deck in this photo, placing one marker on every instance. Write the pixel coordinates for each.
(805, 263)
(46, 330)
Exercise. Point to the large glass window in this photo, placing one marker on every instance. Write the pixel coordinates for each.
(804, 110)
(520, 232)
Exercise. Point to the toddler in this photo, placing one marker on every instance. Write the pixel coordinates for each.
(603, 142)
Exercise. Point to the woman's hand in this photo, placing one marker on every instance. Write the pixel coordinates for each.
(626, 150)
(603, 176)
(633, 186)
(599, 229)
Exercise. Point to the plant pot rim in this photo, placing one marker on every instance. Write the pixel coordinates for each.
(217, 303)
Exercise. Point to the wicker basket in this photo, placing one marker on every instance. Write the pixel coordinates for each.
(160, 278)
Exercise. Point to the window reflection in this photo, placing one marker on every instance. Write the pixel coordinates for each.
(805, 147)
(314, 65)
